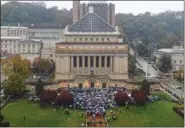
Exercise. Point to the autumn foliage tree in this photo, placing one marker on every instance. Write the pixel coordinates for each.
(16, 64)
(42, 65)
(139, 97)
(121, 98)
(65, 98)
(48, 96)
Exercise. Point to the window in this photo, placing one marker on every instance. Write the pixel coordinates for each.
(86, 61)
(96, 39)
(74, 39)
(80, 39)
(180, 61)
(103, 61)
(14, 32)
(5, 45)
(102, 39)
(91, 39)
(19, 46)
(97, 61)
(85, 39)
(91, 61)
(80, 61)
(174, 61)
(74, 61)
(107, 39)
(108, 61)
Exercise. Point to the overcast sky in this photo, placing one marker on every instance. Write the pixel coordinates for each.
(134, 7)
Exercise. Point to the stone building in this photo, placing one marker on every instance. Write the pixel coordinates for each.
(27, 48)
(177, 56)
(93, 54)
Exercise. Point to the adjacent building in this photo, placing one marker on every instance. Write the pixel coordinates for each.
(92, 53)
(102, 8)
(27, 48)
(177, 56)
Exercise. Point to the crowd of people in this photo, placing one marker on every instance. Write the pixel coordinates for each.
(94, 101)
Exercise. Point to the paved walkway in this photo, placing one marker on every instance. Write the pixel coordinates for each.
(99, 121)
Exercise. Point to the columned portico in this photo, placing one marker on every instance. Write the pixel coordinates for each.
(85, 49)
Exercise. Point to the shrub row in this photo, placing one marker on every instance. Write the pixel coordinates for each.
(177, 110)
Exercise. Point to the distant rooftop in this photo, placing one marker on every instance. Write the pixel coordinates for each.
(11, 37)
(12, 27)
(46, 26)
(30, 41)
(175, 49)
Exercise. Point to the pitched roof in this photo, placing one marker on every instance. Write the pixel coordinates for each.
(91, 22)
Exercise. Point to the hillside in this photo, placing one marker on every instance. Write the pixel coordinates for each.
(159, 31)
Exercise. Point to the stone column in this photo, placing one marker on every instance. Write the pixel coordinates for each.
(100, 68)
(88, 57)
(111, 64)
(21, 48)
(26, 48)
(83, 64)
(105, 68)
(94, 67)
(77, 66)
(31, 48)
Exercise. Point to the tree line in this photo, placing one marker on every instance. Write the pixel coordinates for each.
(161, 30)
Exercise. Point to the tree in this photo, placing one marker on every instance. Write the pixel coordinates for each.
(65, 98)
(121, 98)
(164, 64)
(3, 124)
(131, 64)
(139, 97)
(179, 75)
(39, 87)
(17, 64)
(42, 65)
(145, 86)
(14, 85)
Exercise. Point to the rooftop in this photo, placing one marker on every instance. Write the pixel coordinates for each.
(13, 27)
(30, 41)
(46, 26)
(91, 22)
(11, 37)
(170, 50)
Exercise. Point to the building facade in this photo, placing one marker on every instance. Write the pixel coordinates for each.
(177, 56)
(92, 53)
(14, 31)
(28, 49)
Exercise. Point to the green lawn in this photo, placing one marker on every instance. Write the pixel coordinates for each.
(36, 116)
(157, 115)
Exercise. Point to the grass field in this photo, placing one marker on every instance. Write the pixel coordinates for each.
(36, 116)
(158, 114)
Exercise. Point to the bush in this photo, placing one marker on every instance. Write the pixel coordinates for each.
(139, 97)
(177, 110)
(48, 96)
(65, 98)
(121, 98)
(6, 124)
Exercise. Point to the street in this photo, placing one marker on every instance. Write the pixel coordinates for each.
(170, 84)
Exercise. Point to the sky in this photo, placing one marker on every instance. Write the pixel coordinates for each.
(135, 7)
